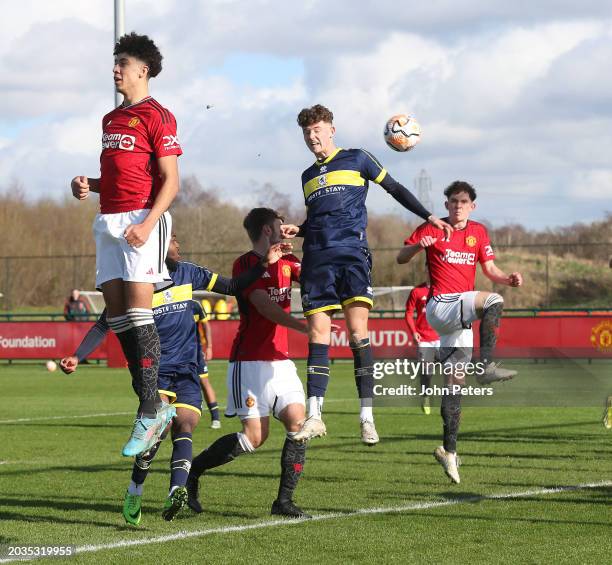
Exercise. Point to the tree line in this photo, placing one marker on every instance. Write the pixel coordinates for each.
(47, 247)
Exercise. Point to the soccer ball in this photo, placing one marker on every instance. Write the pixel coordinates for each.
(51, 366)
(402, 132)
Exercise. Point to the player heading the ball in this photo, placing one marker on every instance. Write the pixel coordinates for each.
(336, 267)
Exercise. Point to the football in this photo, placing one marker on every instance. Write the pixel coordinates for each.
(402, 132)
(51, 366)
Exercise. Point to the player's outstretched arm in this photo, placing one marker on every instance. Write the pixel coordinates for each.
(411, 202)
(93, 338)
(81, 186)
(236, 285)
(494, 273)
(273, 312)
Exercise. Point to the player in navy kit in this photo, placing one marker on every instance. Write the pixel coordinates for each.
(336, 267)
(179, 381)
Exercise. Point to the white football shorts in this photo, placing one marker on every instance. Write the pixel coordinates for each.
(116, 259)
(451, 315)
(256, 388)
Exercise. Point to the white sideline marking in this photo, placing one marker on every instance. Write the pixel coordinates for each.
(336, 515)
(71, 417)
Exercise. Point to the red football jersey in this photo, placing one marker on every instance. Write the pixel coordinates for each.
(452, 264)
(417, 300)
(259, 339)
(133, 138)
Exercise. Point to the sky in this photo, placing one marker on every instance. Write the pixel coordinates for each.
(513, 97)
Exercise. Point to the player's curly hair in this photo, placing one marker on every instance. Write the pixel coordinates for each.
(317, 113)
(257, 218)
(460, 186)
(143, 48)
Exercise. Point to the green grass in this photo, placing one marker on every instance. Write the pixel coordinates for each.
(62, 481)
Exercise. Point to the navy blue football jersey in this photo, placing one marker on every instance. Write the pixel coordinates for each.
(173, 310)
(335, 192)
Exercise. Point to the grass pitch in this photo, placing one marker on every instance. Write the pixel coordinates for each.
(536, 482)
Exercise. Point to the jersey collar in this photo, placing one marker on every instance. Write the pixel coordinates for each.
(145, 99)
(328, 158)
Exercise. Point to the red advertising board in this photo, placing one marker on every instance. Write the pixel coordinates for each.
(44, 340)
(561, 336)
(572, 336)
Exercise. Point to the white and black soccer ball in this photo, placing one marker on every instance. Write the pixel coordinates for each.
(402, 132)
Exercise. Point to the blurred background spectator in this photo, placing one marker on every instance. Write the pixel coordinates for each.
(75, 308)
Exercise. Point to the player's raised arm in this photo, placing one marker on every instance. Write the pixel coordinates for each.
(411, 202)
(494, 273)
(374, 171)
(234, 286)
(273, 312)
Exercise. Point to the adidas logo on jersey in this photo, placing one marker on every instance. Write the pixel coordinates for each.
(266, 275)
(150, 271)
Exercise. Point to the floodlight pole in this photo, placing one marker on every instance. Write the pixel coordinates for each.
(119, 31)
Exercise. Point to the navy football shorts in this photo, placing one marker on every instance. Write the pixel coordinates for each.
(334, 277)
(183, 389)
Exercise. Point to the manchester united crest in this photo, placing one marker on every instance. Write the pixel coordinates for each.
(250, 402)
(286, 270)
(471, 241)
(133, 122)
(601, 336)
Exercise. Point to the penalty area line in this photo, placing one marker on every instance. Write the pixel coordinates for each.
(338, 515)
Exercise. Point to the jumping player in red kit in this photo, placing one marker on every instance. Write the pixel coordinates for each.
(138, 182)
(261, 379)
(426, 338)
(454, 304)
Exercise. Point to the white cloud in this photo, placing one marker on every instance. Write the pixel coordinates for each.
(510, 97)
(595, 184)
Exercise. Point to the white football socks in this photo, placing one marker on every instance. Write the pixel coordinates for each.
(366, 414)
(315, 406)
